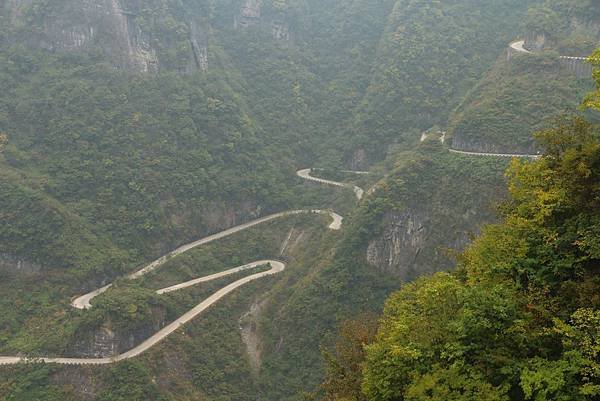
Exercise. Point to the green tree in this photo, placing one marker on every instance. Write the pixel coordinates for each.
(343, 377)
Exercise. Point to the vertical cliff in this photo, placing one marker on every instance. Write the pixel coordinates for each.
(271, 17)
(436, 202)
(69, 25)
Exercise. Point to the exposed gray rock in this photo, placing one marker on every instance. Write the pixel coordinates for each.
(106, 341)
(396, 250)
(249, 331)
(81, 24)
(358, 161)
(13, 265)
(410, 245)
(199, 46)
(80, 381)
(249, 14)
(470, 144)
(102, 343)
(535, 42)
(280, 30)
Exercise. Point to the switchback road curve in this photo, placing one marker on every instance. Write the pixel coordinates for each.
(523, 156)
(306, 174)
(276, 267)
(84, 301)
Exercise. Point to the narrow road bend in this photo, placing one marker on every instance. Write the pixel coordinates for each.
(276, 267)
(306, 174)
(524, 156)
(84, 301)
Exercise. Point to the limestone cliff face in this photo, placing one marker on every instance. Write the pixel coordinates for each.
(358, 160)
(534, 41)
(17, 265)
(397, 249)
(71, 25)
(199, 47)
(107, 341)
(409, 246)
(585, 30)
(252, 14)
(470, 144)
(423, 237)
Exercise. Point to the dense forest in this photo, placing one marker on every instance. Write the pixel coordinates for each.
(523, 93)
(129, 128)
(518, 319)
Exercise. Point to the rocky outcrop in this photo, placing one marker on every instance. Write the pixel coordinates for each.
(82, 24)
(534, 41)
(199, 47)
(80, 382)
(585, 30)
(251, 15)
(358, 160)
(469, 143)
(397, 249)
(248, 323)
(108, 341)
(280, 30)
(16, 265)
(218, 216)
(410, 246)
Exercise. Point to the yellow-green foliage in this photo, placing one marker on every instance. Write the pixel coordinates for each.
(520, 319)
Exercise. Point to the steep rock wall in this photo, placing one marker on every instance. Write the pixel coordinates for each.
(18, 265)
(534, 41)
(470, 143)
(107, 341)
(199, 47)
(409, 246)
(71, 25)
(253, 14)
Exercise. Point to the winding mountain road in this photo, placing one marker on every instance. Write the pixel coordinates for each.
(84, 301)
(306, 174)
(483, 154)
(519, 46)
(276, 267)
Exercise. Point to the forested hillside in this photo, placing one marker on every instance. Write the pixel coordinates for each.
(518, 319)
(525, 91)
(129, 128)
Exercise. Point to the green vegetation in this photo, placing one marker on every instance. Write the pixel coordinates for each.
(567, 25)
(523, 94)
(103, 169)
(519, 319)
(431, 54)
(516, 98)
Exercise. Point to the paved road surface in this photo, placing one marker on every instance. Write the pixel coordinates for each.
(276, 267)
(518, 46)
(306, 174)
(464, 152)
(83, 302)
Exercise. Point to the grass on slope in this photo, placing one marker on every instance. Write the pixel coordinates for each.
(516, 98)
